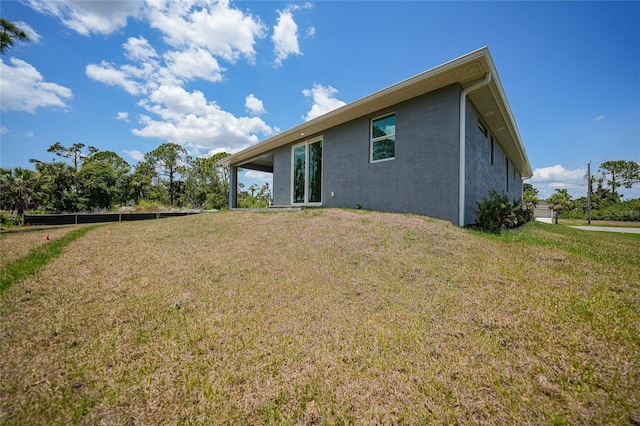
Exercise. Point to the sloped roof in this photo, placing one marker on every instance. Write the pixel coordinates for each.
(490, 101)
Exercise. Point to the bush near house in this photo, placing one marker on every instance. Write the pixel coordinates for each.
(498, 213)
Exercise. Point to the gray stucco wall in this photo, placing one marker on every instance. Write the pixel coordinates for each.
(482, 176)
(282, 176)
(423, 177)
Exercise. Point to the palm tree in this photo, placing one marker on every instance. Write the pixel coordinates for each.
(560, 200)
(10, 32)
(20, 189)
(58, 185)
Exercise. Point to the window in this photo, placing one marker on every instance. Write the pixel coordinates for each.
(506, 161)
(483, 128)
(383, 138)
(307, 173)
(492, 150)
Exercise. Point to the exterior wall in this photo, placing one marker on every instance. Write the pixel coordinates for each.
(282, 176)
(482, 176)
(423, 177)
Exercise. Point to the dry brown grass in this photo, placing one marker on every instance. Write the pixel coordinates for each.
(19, 241)
(319, 317)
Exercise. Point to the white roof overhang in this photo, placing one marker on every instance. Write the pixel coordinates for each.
(466, 70)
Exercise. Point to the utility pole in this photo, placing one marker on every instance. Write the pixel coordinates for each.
(589, 193)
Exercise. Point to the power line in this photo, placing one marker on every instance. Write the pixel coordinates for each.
(620, 146)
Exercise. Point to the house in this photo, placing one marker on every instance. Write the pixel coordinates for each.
(434, 144)
(543, 210)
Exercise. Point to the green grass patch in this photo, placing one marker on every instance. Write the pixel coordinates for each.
(28, 265)
(607, 248)
(609, 223)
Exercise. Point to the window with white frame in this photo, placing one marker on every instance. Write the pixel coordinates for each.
(383, 138)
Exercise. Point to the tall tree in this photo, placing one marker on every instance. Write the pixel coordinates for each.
(10, 32)
(97, 185)
(103, 180)
(601, 196)
(74, 152)
(529, 196)
(206, 185)
(620, 173)
(140, 183)
(168, 159)
(259, 196)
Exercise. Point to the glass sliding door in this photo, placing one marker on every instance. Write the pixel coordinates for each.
(307, 173)
(299, 168)
(315, 172)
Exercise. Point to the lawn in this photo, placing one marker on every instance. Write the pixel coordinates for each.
(615, 224)
(324, 317)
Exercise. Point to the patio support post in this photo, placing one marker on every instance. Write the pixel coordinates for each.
(233, 187)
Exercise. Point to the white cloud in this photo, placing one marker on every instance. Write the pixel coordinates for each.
(139, 49)
(34, 37)
(215, 151)
(29, 133)
(222, 30)
(548, 179)
(556, 173)
(188, 118)
(3, 130)
(193, 63)
(311, 32)
(254, 105)
(598, 118)
(134, 154)
(324, 101)
(23, 88)
(261, 176)
(123, 116)
(90, 17)
(108, 74)
(285, 36)
(198, 35)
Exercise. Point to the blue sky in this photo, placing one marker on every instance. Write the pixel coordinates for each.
(127, 76)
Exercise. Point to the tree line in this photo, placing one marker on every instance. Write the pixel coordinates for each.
(85, 179)
(606, 201)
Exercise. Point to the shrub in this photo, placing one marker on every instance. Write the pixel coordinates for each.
(8, 220)
(622, 211)
(145, 206)
(497, 213)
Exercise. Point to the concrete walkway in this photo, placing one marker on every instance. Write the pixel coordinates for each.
(609, 229)
(596, 228)
(544, 219)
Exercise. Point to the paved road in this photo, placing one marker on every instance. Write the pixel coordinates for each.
(609, 229)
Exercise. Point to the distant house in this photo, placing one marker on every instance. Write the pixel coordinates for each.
(434, 144)
(543, 210)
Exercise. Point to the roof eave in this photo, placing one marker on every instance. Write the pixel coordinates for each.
(372, 102)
